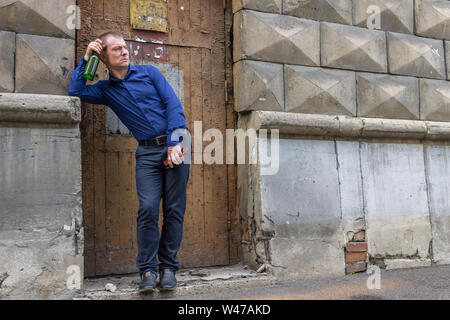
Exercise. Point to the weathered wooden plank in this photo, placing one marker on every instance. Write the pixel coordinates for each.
(183, 10)
(97, 8)
(195, 15)
(134, 203)
(205, 13)
(234, 233)
(118, 11)
(112, 200)
(125, 233)
(216, 200)
(201, 252)
(99, 185)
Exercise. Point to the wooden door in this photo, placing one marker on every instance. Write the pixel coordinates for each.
(196, 48)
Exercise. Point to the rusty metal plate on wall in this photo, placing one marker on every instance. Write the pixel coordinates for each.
(148, 15)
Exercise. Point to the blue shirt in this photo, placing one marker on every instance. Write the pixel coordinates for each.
(144, 101)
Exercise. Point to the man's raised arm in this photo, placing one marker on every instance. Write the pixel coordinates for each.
(78, 88)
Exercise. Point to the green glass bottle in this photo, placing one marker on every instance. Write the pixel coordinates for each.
(91, 66)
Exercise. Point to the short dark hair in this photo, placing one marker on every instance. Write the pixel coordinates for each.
(110, 33)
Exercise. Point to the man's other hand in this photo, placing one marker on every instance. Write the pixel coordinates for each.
(174, 155)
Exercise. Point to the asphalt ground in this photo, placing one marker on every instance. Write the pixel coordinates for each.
(426, 283)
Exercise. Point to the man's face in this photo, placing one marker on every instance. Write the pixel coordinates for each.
(116, 54)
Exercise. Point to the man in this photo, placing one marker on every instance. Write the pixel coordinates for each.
(147, 105)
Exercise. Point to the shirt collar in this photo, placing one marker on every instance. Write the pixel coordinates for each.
(131, 68)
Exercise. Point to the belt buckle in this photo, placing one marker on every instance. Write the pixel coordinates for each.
(157, 140)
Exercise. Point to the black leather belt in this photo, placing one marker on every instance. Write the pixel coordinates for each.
(159, 140)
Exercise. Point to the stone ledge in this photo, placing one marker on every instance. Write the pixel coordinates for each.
(344, 126)
(42, 108)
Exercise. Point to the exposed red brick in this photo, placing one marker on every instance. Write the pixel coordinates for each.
(359, 236)
(356, 246)
(355, 256)
(355, 267)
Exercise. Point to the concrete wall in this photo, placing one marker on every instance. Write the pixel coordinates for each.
(37, 47)
(336, 178)
(358, 92)
(41, 236)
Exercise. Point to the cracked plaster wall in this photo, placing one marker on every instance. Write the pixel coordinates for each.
(41, 234)
(296, 223)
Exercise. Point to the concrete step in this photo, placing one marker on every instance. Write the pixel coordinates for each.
(190, 281)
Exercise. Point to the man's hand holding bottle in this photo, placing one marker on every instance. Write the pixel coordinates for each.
(95, 46)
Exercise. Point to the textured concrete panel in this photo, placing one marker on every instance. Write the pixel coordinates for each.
(40, 70)
(395, 197)
(447, 58)
(384, 96)
(7, 52)
(432, 18)
(337, 11)
(434, 100)
(437, 160)
(276, 38)
(305, 259)
(350, 186)
(301, 205)
(273, 6)
(415, 56)
(55, 18)
(391, 15)
(40, 196)
(320, 90)
(347, 47)
(258, 86)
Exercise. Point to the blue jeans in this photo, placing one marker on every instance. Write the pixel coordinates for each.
(153, 182)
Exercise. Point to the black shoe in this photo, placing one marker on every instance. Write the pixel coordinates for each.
(167, 279)
(148, 282)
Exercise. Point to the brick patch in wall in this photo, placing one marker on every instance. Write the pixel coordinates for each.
(356, 253)
(356, 247)
(355, 257)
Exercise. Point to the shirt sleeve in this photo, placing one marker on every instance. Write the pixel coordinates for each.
(174, 110)
(78, 88)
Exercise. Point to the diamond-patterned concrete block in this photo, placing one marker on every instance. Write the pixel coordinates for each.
(354, 48)
(433, 18)
(276, 38)
(7, 49)
(434, 100)
(391, 15)
(273, 6)
(415, 56)
(337, 11)
(43, 64)
(48, 18)
(447, 58)
(258, 86)
(385, 96)
(320, 90)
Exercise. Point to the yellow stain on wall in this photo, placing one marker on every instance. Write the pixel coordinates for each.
(148, 15)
